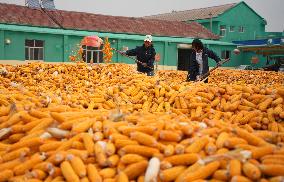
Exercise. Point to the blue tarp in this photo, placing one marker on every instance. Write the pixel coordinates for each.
(275, 41)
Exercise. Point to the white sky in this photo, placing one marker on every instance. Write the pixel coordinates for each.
(271, 10)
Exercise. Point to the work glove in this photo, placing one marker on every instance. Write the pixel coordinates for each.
(198, 78)
(218, 64)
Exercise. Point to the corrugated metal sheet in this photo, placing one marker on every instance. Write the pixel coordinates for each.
(194, 14)
(14, 14)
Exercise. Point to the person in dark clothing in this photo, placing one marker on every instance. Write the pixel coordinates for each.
(273, 67)
(198, 61)
(145, 54)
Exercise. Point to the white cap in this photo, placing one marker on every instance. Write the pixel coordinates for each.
(148, 38)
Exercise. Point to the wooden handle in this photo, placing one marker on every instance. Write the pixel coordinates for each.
(204, 76)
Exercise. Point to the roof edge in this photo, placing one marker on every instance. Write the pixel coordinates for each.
(53, 19)
(242, 2)
(114, 35)
(188, 10)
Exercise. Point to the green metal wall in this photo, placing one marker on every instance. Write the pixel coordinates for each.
(2, 45)
(262, 59)
(206, 24)
(172, 54)
(241, 15)
(15, 50)
(60, 44)
(53, 45)
(244, 58)
(235, 60)
(58, 48)
(160, 49)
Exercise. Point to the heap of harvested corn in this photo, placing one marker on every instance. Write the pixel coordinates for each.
(108, 123)
(229, 76)
(247, 77)
(58, 143)
(172, 76)
(119, 86)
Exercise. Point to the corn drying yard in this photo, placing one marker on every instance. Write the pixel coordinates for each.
(76, 122)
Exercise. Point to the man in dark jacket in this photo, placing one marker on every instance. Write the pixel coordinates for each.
(198, 61)
(145, 54)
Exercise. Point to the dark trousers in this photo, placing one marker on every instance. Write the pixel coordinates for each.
(150, 73)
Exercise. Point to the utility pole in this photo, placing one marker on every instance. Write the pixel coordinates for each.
(210, 14)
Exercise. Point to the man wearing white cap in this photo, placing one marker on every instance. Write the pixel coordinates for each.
(145, 54)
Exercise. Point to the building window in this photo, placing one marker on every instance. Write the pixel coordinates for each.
(34, 49)
(222, 30)
(241, 29)
(225, 54)
(92, 53)
(232, 28)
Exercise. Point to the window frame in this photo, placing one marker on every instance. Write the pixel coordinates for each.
(241, 28)
(230, 28)
(31, 51)
(222, 30)
(225, 54)
(92, 51)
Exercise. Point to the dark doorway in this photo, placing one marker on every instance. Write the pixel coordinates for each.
(183, 59)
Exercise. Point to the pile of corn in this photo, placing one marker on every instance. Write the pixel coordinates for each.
(109, 123)
(247, 77)
(119, 86)
(61, 143)
(229, 76)
(172, 76)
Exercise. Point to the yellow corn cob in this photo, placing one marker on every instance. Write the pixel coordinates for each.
(93, 174)
(136, 169)
(107, 173)
(183, 159)
(68, 172)
(198, 145)
(22, 168)
(89, 144)
(172, 173)
(16, 154)
(6, 175)
(140, 150)
(122, 177)
(203, 172)
(82, 126)
(78, 166)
